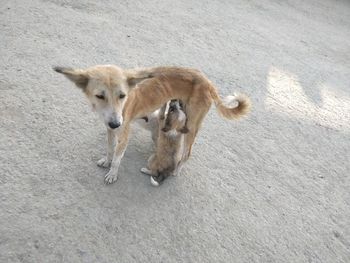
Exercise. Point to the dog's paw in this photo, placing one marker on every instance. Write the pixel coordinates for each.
(104, 162)
(154, 182)
(110, 177)
(145, 171)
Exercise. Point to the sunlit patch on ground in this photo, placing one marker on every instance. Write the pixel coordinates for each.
(286, 96)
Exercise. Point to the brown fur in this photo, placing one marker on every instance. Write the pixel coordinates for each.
(156, 86)
(169, 147)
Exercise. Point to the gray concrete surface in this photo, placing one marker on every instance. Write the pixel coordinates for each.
(271, 188)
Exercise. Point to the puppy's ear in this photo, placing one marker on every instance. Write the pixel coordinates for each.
(135, 76)
(78, 76)
(184, 130)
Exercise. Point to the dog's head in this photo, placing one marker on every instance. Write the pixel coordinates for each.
(106, 87)
(175, 119)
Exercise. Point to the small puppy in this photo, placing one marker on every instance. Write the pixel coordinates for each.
(170, 145)
(151, 121)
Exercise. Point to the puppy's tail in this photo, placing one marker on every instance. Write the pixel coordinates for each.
(231, 107)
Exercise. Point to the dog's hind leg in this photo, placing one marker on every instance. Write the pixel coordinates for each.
(183, 108)
(188, 142)
(195, 120)
(106, 161)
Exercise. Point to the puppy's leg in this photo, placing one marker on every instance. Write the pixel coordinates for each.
(123, 140)
(106, 161)
(147, 170)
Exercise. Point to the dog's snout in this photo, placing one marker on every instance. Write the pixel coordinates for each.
(114, 124)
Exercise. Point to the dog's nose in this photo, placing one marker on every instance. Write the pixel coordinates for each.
(114, 124)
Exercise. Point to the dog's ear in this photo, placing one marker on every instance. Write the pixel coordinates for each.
(78, 76)
(135, 76)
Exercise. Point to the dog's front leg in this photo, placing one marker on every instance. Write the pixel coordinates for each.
(106, 161)
(123, 139)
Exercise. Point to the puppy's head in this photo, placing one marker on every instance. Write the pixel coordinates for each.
(175, 119)
(106, 87)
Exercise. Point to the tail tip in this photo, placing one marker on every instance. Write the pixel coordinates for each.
(235, 106)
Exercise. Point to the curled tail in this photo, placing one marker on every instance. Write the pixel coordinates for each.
(231, 107)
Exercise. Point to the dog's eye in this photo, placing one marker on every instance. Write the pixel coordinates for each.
(101, 97)
(121, 96)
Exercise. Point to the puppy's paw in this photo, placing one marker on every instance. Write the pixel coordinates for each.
(111, 177)
(154, 182)
(104, 162)
(145, 171)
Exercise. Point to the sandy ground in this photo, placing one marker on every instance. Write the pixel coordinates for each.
(271, 188)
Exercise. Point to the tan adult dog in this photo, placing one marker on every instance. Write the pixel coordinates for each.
(111, 92)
